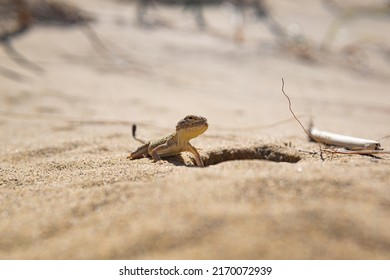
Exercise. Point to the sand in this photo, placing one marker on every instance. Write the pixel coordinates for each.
(67, 190)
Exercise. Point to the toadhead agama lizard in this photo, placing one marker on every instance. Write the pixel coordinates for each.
(186, 129)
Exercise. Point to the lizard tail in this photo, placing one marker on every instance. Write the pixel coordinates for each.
(133, 130)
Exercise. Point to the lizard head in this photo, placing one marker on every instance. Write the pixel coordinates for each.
(192, 126)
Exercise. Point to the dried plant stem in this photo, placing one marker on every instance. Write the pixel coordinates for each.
(295, 117)
(384, 137)
(359, 152)
(352, 143)
(359, 146)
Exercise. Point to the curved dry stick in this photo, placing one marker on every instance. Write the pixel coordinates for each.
(304, 129)
(290, 108)
(368, 147)
(384, 137)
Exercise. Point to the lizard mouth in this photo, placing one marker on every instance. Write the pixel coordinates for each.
(196, 127)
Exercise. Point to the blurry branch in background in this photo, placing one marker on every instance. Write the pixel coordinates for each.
(18, 16)
(196, 6)
(261, 12)
(346, 14)
(11, 74)
(141, 11)
(15, 20)
(19, 58)
(48, 12)
(237, 13)
(63, 14)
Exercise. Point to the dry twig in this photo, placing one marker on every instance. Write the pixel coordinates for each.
(360, 146)
(295, 117)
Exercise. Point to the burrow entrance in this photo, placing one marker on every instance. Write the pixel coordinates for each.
(263, 152)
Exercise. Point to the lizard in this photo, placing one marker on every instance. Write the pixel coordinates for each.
(186, 129)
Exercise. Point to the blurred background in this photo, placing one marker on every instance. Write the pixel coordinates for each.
(154, 61)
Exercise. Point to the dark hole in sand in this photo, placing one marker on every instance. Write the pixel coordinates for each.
(263, 152)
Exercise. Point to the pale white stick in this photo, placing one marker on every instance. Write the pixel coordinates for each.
(349, 142)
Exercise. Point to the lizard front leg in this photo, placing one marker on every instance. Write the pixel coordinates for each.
(161, 149)
(194, 151)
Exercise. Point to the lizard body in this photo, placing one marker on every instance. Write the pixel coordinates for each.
(186, 129)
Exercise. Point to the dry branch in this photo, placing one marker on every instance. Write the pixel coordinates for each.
(348, 142)
(351, 145)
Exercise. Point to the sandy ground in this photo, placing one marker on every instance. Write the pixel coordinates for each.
(67, 190)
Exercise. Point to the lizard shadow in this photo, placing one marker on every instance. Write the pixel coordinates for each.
(177, 160)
